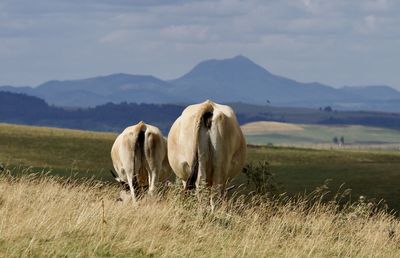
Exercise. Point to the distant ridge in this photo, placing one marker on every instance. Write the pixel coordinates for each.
(373, 92)
(23, 109)
(100, 90)
(236, 79)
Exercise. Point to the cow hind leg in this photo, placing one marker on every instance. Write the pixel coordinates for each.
(218, 186)
(153, 173)
(132, 189)
(154, 158)
(153, 180)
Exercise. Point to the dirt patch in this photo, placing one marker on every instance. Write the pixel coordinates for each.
(263, 127)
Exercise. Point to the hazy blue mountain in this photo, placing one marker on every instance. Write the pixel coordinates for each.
(24, 89)
(373, 92)
(99, 90)
(240, 79)
(236, 79)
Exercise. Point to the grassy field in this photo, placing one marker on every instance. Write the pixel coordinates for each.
(45, 216)
(309, 135)
(375, 174)
(64, 151)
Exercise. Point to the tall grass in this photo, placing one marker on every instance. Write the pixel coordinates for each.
(46, 216)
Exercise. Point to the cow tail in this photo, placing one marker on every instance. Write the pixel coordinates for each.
(191, 181)
(139, 151)
(205, 121)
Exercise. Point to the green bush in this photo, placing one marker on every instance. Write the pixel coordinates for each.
(259, 177)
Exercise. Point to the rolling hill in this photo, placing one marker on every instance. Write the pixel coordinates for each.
(23, 109)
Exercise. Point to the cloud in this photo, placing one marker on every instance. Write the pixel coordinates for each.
(378, 26)
(367, 25)
(292, 37)
(376, 5)
(187, 33)
(115, 36)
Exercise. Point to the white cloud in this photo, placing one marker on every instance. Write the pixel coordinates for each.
(186, 33)
(376, 5)
(368, 25)
(135, 20)
(142, 36)
(378, 26)
(320, 6)
(318, 25)
(115, 37)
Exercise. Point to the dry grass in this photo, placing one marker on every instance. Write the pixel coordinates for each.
(264, 127)
(42, 216)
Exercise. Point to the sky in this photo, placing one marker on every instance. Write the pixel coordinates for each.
(335, 42)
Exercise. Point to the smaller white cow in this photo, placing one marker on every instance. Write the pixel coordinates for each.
(139, 157)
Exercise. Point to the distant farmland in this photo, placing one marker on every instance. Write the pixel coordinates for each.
(308, 135)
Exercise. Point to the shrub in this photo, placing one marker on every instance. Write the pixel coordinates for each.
(260, 177)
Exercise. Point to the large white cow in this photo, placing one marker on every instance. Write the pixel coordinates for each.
(206, 144)
(139, 157)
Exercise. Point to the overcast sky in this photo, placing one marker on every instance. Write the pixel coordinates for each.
(336, 42)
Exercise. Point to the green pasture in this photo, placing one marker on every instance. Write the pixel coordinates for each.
(375, 174)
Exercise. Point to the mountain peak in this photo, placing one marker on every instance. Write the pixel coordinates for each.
(236, 59)
(233, 65)
(240, 58)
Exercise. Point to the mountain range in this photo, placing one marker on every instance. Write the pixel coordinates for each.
(236, 79)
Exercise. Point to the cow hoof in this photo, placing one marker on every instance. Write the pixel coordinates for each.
(152, 193)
